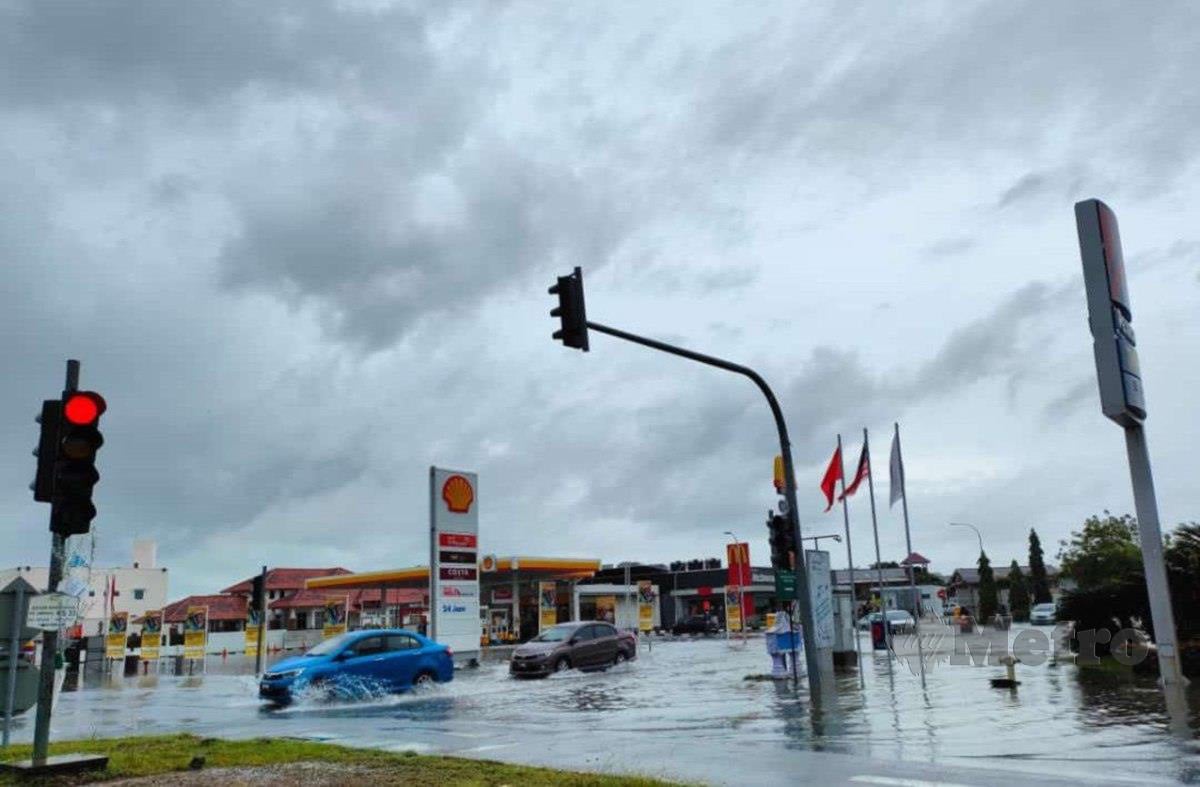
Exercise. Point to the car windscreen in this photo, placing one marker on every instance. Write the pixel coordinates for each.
(555, 634)
(328, 646)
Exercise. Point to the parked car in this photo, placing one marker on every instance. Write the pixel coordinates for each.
(578, 645)
(695, 624)
(901, 621)
(1043, 614)
(360, 663)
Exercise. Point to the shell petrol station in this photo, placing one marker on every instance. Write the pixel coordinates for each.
(508, 591)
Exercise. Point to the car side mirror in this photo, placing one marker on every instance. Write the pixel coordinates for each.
(573, 641)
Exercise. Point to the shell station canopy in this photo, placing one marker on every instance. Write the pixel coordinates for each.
(491, 570)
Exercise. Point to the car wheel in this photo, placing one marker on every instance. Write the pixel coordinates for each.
(423, 681)
(620, 658)
(562, 664)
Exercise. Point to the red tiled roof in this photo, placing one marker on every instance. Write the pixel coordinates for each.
(915, 559)
(220, 607)
(286, 578)
(306, 599)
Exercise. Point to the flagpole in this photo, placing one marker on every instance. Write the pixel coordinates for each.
(850, 558)
(887, 630)
(912, 580)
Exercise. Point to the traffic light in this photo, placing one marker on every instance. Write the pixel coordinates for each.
(574, 331)
(75, 472)
(782, 539)
(47, 450)
(257, 593)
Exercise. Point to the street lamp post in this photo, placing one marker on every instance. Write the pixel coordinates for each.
(815, 539)
(977, 533)
(980, 537)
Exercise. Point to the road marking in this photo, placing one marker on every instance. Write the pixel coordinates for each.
(491, 747)
(894, 782)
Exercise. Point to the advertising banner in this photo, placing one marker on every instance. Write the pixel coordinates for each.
(502, 595)
(195, 632)
(733, 612)
(336, 610)
(547, 605)
(253, 625)
(740, 574)
(151, 635)
(118, 630)
(454, 559)
(646, 599)
(606, 608)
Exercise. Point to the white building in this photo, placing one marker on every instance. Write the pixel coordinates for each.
(139, 588)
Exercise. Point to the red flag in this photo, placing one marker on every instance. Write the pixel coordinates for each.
(864, 470)
(833, 474)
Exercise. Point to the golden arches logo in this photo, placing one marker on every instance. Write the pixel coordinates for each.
(458, 494)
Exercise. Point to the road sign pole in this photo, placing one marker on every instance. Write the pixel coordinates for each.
(1150, 533)
(41, 730)
(14, 651)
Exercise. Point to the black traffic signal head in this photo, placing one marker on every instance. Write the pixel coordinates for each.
(257, 592)
(75, 472)
(574, 331)
(47, 450)
(782, 539)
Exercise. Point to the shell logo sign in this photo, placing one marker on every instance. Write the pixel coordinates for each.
(488, 563)
(458, 494)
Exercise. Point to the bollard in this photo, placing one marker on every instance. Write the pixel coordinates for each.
(1010, 668)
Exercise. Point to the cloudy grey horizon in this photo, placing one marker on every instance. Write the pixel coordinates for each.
(303, 251)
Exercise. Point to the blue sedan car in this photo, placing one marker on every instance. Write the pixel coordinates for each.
(360, 664)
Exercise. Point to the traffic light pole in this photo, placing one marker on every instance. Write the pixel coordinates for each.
(802, 598)
(41, 730)
(261, 601)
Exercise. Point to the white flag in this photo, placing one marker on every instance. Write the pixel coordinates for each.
(897, 472)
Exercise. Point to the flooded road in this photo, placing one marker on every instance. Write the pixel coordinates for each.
(686, 709)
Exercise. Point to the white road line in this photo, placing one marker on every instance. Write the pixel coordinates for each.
(894, 782)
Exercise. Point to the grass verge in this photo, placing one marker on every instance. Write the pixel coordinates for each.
(159, 755)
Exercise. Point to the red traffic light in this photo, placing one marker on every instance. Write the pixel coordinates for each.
(83, 409)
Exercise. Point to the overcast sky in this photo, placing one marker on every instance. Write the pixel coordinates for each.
(303, 251)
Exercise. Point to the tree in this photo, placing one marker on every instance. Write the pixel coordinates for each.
(1105, 550)
(1040, 585)
(1018, 593)
(885, 564)
(988, 601)
(1182, 556)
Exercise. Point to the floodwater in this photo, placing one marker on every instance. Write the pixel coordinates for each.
(686, 709)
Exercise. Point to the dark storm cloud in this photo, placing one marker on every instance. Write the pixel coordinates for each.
(993, 343)
(126, 51)
(861, 84)
(1078, 395)
(356, 245)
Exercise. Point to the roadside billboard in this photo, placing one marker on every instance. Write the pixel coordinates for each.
(547, 605)
(195, 632)
(118, 630)
(336, 610)
(151, 635)
(454, 559)
(820, 593)
(646, 599)
(606, 608)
